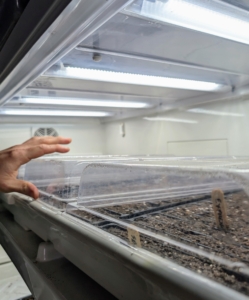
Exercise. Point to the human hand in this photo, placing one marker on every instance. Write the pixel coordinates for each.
(12, 158)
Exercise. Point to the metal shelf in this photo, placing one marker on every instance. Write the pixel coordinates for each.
(55, 280)
(126, 272)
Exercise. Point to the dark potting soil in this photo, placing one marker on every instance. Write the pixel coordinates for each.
(134, 208)
(195, 224)
(201, 265)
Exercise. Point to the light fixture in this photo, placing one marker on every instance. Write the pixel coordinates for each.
(214, 112)
(170, 120)
(84, 102)
(54, 113)
(138, 79)
(209, 16)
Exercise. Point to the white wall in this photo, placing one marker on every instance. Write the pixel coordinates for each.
(86, 139)
(211, 135)
(13, 134)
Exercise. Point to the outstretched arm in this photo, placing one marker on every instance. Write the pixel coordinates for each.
(12, 158)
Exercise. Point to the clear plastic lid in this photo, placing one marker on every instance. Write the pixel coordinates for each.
(96, 181)
(58, 178)
(52, 178)
(108, 184)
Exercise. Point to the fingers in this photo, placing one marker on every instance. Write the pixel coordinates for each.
(37, 151)
(20, 156)
(48, 140)
(23, 187)
(35, 141)
(40, 150)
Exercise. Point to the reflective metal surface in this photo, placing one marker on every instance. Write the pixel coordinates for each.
(78, 20)
(134, 35)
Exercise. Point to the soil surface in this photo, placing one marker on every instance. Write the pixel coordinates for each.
(202, 266)
(137, 208)
(195, 224)
(191, 221)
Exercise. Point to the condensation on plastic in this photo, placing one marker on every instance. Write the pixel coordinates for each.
(105, 184)
(51, 177)
(78, 168)
(58, 179)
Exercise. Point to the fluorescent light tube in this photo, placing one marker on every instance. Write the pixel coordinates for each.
(84, 102)
(138, 79)
(213, 17)
(55, 113)
(170, 120)
(214, 112)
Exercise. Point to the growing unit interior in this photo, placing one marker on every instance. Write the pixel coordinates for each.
(156, 100)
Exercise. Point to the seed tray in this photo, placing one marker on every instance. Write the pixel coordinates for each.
(189, 220)
(203, 237)
(201, 265)
(192, 221)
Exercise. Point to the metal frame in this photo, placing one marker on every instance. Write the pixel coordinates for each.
(79, 19)
(240, 93)
(154, 59)
(160, 103)
(66, 93)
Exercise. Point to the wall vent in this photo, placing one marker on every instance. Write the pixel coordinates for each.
(46, 132)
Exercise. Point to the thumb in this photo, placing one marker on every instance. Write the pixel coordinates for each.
(23, 187)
